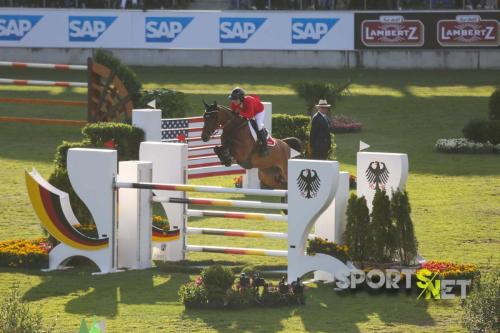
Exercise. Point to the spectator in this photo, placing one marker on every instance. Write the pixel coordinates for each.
(320, 132)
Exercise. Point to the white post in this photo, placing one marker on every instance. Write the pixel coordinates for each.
(331, 224)
(134, 214)
(169, 166)
(311, 188)
(387, 171)
(149, 120)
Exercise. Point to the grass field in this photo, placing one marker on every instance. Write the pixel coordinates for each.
(455, 199)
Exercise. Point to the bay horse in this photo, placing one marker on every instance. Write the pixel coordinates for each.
(237, 140)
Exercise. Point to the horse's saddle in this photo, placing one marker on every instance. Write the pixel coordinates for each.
(271, 142)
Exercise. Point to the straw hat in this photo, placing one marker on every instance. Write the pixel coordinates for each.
(323, 103)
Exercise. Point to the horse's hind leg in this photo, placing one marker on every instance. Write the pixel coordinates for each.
(272, 178)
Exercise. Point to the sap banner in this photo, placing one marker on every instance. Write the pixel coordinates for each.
(160, 29)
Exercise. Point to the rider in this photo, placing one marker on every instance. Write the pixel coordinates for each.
(251, 108)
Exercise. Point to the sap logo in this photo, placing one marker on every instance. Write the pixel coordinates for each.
(238, 29)
(311, 30)
(15, 27)
(88, 28)
(165, 29)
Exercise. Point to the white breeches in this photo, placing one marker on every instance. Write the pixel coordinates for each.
(259, 119)
(124, 3)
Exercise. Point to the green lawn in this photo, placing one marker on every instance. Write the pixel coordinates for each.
(455, 199)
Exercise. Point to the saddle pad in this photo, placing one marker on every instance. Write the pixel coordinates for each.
(271, 142)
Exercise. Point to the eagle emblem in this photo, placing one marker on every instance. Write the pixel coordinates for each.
(377, 175)
(308, 183)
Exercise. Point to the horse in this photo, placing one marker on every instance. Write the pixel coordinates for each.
(237, 139)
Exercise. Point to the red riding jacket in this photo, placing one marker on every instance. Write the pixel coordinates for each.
(249, 108)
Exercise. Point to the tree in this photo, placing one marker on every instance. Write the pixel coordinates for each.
(382, 228)
(406, 242)
(312, 92)
(357, 235)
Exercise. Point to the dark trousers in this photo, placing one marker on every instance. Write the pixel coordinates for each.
(319, 155)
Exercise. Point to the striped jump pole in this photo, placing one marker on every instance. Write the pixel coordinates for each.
(200, 188)
(42, 83)
(239, 233)
(236, 250)
(43, 66)
(236, 215)
(223, 203)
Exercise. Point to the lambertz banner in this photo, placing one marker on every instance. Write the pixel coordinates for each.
(160, 29)
(430, 30)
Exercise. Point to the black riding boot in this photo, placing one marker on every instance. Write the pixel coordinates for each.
(262, 140)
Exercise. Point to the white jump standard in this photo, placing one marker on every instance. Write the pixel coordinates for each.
(309, 194)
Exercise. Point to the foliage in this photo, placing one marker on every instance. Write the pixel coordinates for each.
(494, 105)
(285, 126)
(406, 242)
(356, 237)
(450, 270)
(161, 222)
(17, 317)
(477, 130)
(313, 91)
(28, 253)
(382, 228)
(124, 138)
(465, 146)
(173, 104)
(482, 306)
(319, 245)
(125, 73)
(298, 126)
(214, 288)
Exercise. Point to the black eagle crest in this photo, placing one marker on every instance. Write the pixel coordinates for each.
(377, 175)
(309, 183)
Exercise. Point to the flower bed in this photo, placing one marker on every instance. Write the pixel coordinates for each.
(465, 146)
(319, 245)
(27, 253)
(449, 270)
(215, 289)
(343, 124)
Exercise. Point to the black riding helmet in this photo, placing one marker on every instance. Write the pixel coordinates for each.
(237, 93)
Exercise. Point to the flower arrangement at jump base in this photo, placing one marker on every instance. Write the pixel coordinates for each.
(449, 270)
(344, 124)
(27, 253)
(215, 288)
(319, 245)
(238, 182)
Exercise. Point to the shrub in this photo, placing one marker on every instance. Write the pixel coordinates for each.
(125, 73)
(17, 317)
(298, 126)
(217, 280)
(383, 230)
(477, 130)
(313, 91)
(173, 104)
(357, 234)
(494, 105)
(482, 307)
(406, 242)
(343, 124)
(465, 146)
(494, 132)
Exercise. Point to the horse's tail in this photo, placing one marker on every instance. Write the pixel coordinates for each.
(295, 144)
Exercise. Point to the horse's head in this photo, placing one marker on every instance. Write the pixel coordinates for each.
(211, 120)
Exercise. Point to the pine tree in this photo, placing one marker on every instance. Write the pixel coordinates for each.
(406, 242)
(382, 228)
(357, 233)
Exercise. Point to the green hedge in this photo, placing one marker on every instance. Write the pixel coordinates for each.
(173, 104)
(297, 126)
(124, 138)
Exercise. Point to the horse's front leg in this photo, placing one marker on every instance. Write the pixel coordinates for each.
(223, 152)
